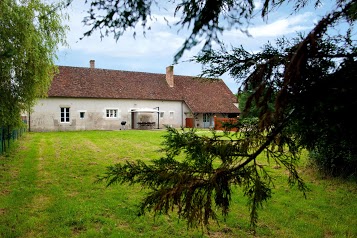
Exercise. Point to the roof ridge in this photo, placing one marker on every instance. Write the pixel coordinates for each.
(125, 71)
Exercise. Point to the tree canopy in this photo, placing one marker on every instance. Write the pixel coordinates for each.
(301, 90)
(30, 33)
(307, 76)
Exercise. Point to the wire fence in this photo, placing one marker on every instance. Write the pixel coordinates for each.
(8, 135)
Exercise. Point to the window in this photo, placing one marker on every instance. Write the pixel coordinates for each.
(112, 113)
(64, 114)
(171, 115)
(161, 114)
(81, 115)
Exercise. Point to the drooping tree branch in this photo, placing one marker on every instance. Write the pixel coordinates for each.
(203, 179)
(196, 174)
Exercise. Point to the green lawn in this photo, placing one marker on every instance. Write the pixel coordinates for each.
(47, 189)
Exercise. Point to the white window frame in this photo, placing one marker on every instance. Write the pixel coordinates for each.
(171, 114)
(162, 114)
(111, 113)
(80, 114)
(64, 114)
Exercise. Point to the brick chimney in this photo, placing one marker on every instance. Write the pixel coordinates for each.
(92, 64)
(170, 75)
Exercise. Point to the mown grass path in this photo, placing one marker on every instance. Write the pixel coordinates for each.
(47, 189)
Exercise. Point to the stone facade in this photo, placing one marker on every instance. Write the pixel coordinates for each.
(91, 114)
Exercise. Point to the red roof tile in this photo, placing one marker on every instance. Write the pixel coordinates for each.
(200, 96)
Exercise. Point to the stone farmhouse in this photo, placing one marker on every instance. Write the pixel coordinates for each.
(90, 98)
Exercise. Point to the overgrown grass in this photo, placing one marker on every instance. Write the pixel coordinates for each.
(47, 189)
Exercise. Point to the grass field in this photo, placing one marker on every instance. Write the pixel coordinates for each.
(47, 189)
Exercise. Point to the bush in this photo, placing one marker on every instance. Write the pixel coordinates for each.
(336, 160)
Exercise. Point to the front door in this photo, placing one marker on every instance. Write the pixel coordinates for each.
(132, 120)
(206, 120)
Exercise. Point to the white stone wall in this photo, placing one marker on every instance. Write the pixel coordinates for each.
(46, 114)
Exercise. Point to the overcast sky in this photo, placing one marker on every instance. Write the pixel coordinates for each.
(156, 50)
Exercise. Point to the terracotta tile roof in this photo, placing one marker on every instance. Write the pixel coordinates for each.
(200, 96)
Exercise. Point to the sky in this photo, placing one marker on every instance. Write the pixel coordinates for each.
(156, 50)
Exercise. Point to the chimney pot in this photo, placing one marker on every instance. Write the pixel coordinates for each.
(92, 64)
(170, 75)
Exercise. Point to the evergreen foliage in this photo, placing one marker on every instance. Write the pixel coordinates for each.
(295, 87)
(326, 125)
(198, 172)
(314, 77)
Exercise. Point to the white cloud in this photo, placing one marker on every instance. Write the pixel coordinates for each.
(263, 32)
(283, 26)
(258, 4)
(158, 42)
(155, 45)
(279, 27)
